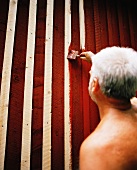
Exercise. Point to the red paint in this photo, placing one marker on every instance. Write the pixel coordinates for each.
(90, 46)
(57, 154)
(14, 132)
(123, 24)
(107, 23)
(112, 20)
(89, 26)
(38, 90)
(132, 13)
(93, 116)
(76, 89)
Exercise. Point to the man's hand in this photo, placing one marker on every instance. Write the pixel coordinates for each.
(87, 56)
(134, 101)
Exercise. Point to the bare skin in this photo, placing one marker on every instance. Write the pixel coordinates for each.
(113, 144)
(86, 56)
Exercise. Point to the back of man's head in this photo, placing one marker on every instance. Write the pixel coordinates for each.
(116, 70)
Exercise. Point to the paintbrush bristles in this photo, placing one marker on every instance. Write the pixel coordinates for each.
(72, 55)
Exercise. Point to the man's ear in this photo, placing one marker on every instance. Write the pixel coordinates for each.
(95, 85)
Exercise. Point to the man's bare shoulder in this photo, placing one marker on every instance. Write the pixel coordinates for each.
(90, 154)
(92, 145)
(110, 147)
(95, 153)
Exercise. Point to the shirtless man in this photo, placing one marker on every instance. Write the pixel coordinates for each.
(112, 86)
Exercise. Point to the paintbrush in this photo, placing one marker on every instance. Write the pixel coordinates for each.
(72, 55)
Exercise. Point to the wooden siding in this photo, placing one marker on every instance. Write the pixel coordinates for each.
(45, 108)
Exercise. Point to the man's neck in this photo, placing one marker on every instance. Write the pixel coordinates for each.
(113, 105)
(119, 104)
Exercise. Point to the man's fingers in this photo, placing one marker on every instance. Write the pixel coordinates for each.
(86, 56)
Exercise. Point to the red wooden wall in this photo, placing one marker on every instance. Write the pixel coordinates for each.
(107, 23)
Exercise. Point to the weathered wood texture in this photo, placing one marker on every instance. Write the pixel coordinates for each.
(107, 23)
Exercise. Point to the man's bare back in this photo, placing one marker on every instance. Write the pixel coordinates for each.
(113, 145)
(112, 86)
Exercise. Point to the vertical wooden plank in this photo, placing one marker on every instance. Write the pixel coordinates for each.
(15, 113)
(90, 46)
(132, 16)
(89, 26)
(101, 28)
(28, 88)
(103, 23)
(112, 21)
(67, 124)
(124, 30)
(85, 71)
(46, 164)
(97, 26)
(57, 135)
(6, 76)
(82, 24)
(76, 103)
(38, 88)
(4, 6)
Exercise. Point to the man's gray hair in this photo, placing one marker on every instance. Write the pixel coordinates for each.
(116, 70)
